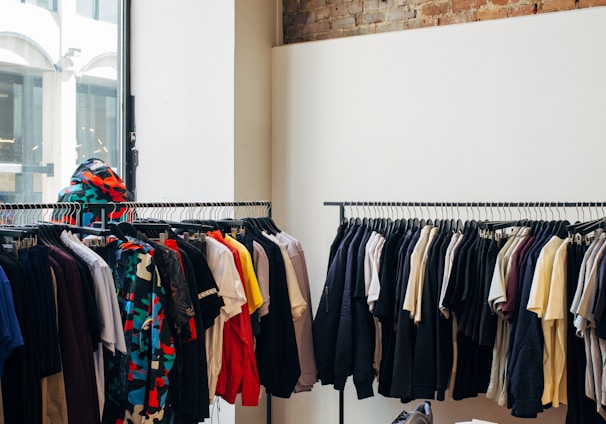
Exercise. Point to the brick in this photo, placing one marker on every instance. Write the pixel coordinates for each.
(457, 18)
(320, 26)
(553, 5)
(297, 40)
(323, 13)
(343, 23)
(461, 5)
(386, 4)
(292, 31)
(354, 7)
(421, 22)
(523, 10)
(418, 2)
(395, 15)
(290, 6)
(433, 9)
(371, 5)
(591, 3)
(306, 5)
(296, 19)
(360, 31)
(370, 18)
(338, 11)
(329, 35)
(486, 14)
(320, 3)
(393, 26)
(499, 2)
(402, 2)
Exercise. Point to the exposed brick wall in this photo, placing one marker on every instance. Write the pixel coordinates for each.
(307, 20)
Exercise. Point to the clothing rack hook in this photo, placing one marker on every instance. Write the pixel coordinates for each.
(78, 213)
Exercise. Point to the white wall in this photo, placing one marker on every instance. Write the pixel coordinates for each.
(183, 82)
(202, 83)
(506, 110)
(256, 23)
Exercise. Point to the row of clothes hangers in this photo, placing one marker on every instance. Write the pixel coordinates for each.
(579, 231)
(49, 232)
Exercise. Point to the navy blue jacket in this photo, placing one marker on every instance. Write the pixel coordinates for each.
(326, 322)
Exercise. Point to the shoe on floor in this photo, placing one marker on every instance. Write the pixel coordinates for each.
(420, 415)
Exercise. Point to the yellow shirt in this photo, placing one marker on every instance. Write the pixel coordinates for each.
(557, 314)
(538, 303)
(253, 292)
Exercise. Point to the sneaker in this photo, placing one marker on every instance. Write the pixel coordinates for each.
(420, 415)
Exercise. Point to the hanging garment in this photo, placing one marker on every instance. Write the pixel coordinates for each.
(538, 303)
(276, 347)
(581, 409)
(326, 322)
(239, 372)
(302, 326)
(10, 334)
(188, 391)
(221, 263)
(94, 181)
(261, 264)
(343, 361)
(77, 351)
(22, 403)
(384, 308)
(151, 351)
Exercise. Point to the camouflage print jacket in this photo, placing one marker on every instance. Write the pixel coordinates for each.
(94, 181)
(138, 382)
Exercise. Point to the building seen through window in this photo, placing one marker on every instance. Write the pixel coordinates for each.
(59, 93)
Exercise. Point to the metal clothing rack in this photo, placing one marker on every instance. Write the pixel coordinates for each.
(466, 205)
(454, 205)
(18, 212)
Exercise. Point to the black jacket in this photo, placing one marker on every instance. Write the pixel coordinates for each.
(276, 346)
(326, 322)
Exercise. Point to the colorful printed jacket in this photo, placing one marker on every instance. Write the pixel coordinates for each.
(138, 382)
(94, 181)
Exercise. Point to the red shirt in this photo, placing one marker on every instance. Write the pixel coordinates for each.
(239, 372)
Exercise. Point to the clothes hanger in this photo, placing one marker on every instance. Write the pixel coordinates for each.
(17, 232)
(585, 228)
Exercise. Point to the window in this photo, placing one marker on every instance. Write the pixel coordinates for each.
(96, 122)
(100, 10)
(20, 136)
(60, 93)
(46, 4)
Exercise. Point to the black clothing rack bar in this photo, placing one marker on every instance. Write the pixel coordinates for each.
(77, 206)
(343, 205)
(75, 209)
(473, 204)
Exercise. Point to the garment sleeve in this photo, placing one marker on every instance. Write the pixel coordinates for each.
(261, 264)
